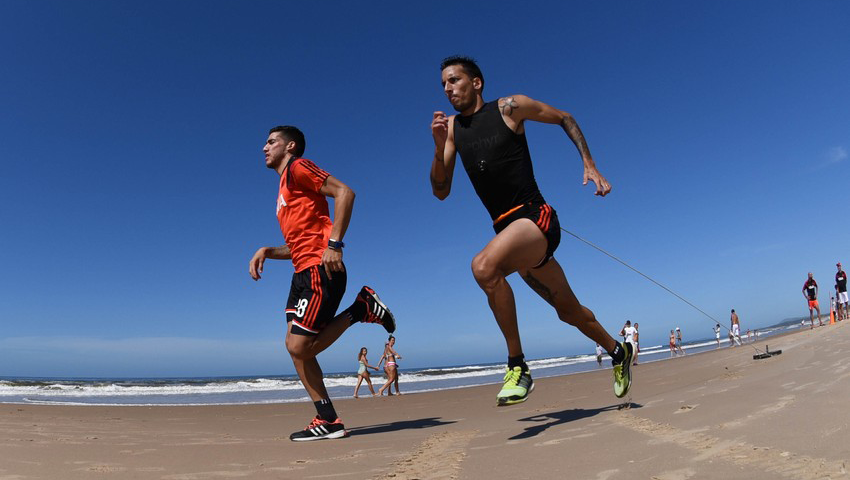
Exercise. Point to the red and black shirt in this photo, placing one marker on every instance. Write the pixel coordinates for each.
(811, 289)
(303, 212)
(841, 281)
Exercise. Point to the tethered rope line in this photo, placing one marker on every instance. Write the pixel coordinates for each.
(657, 283)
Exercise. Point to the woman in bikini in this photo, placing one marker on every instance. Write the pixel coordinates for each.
(363, 372)
(672, 343)
(391, 368)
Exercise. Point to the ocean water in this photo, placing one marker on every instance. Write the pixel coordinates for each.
(285, 389)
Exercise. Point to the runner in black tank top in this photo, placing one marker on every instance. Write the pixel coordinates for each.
(490, 138)
(499, 167)
(496, 160)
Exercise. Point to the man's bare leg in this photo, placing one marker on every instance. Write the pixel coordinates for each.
(520, 245)
(304, 349)
(551, 284)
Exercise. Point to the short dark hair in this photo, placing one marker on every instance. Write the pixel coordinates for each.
(468, 64)
(292, 134)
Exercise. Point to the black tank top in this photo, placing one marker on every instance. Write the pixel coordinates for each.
(496, 160)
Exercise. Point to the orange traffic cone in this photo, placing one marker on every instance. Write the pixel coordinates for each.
(831, 316)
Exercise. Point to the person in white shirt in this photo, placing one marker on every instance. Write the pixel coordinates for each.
(679, 341)
(629, 332)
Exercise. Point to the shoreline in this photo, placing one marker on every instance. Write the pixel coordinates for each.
(270, 389)
(717, 414)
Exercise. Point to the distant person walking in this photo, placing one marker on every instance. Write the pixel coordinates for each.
(599, 352)
(363, 372)
(672, 344)
(810, 293)
(391, 368)
(841, 300)
(735, 328)
(717, 334)
(637, 343)
(679, 341)
(388, 373)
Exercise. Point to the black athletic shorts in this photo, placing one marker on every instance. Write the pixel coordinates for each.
(544, 216)
(314, 299)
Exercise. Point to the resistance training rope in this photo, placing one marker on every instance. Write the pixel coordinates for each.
(655, 282)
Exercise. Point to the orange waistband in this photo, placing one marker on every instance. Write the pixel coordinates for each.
(505, 215)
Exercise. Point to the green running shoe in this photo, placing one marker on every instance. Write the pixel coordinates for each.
(623, 373)
(518, 385)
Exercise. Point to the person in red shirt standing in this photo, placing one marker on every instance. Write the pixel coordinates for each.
(810, 292)
(314, 244)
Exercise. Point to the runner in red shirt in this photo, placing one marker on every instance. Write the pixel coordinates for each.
(314, 244)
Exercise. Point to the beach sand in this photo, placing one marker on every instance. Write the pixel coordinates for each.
(718, 414)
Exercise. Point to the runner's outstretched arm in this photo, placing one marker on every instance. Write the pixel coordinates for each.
(443, 165)
(518, 108)
(255, 266)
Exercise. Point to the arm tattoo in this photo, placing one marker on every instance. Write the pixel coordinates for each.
(507, 105)
(568, 123)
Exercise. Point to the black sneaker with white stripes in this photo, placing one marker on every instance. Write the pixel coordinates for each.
(376, 311)
(320, 429)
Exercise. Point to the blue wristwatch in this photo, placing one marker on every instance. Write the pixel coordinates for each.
(335, 245)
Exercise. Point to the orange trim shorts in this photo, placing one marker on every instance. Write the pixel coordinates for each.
(544, 216)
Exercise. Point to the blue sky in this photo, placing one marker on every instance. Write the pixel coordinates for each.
(133, 190)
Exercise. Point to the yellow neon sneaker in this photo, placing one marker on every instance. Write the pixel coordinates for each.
(623, 373)
(518, 384)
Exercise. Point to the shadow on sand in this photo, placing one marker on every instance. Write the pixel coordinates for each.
(564, 416)
(396, 426)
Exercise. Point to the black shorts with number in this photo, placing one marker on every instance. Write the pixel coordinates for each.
(544, 216)
(314, 299)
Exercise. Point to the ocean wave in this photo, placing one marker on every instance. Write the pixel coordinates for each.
(273, 389)
(117, 389)
(141, 388)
